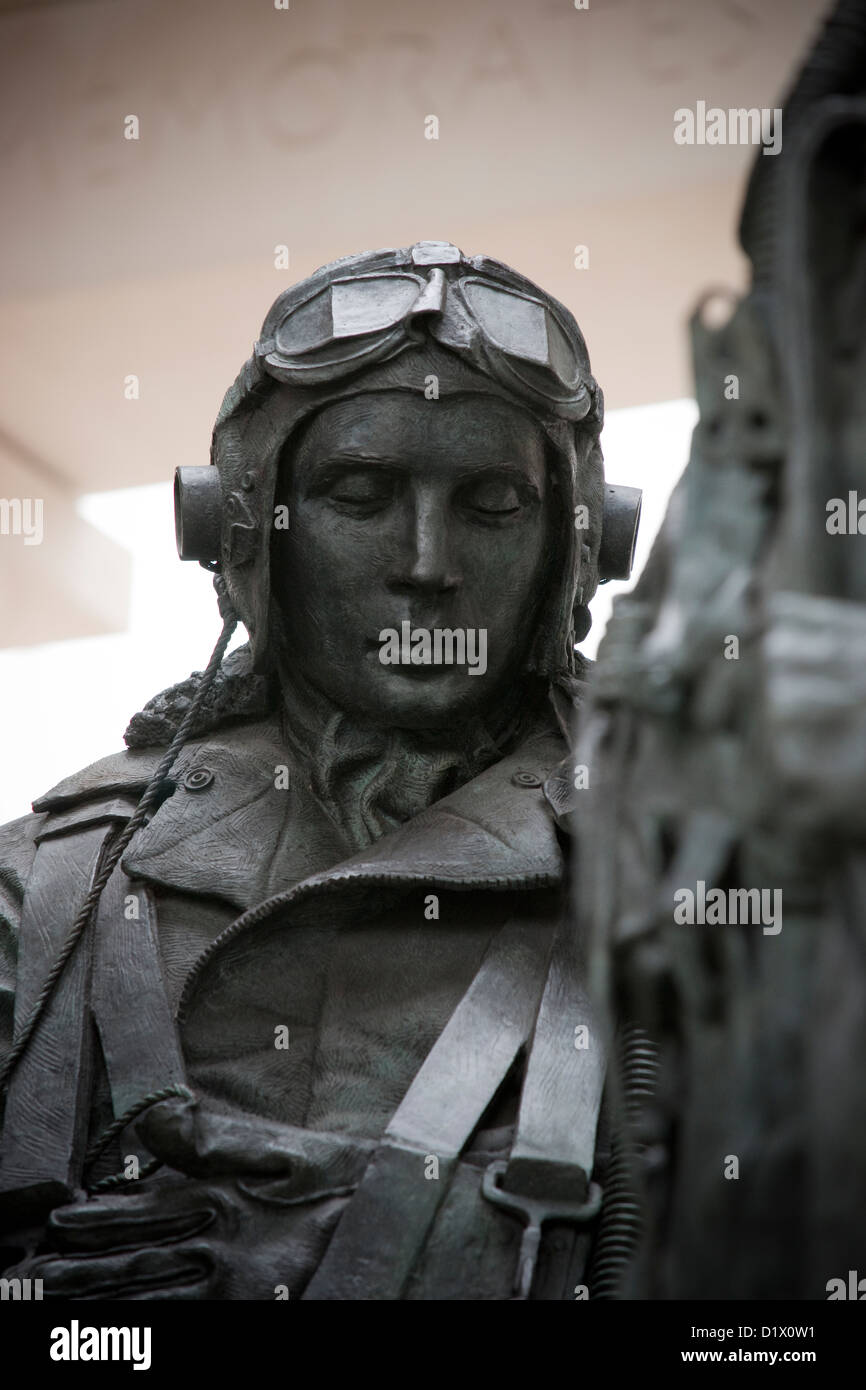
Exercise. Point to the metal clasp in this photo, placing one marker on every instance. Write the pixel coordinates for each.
(534, 1211)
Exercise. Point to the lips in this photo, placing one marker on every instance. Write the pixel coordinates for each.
(429, 623)
(415, 673)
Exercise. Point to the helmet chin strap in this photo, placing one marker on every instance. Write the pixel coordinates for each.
(149, 797)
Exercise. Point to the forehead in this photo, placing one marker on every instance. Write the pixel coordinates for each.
(384, 423)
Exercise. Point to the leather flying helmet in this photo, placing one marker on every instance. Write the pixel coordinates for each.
(358, 325)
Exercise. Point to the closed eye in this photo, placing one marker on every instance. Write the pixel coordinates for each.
(497, 498)
(361, 490)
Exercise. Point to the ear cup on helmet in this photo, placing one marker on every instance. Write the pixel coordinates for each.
(621, 518)
(197, 513)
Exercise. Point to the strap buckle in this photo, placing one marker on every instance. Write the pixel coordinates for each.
(534, 1211)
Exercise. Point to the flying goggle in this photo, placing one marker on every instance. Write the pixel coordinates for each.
(314, 335)
(358, 320)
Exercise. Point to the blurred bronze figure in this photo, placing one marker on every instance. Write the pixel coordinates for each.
(722, 871)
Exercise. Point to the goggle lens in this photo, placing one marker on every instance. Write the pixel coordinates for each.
(522, 328)
(347, 309)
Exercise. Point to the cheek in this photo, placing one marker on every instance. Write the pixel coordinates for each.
(318, 538)
(326, 566)
(507, 566)
(518, 596)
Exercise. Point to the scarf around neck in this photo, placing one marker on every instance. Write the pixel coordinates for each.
(371, 779)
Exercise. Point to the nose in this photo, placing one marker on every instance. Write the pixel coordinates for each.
(425, 562)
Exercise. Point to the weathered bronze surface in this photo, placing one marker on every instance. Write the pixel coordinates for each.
(342, 1044)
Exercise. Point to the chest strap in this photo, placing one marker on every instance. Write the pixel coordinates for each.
(547, 1177)
(114, 977)
(45, 1123)
(130, 1005)
(385, 1225)
(554, 1149)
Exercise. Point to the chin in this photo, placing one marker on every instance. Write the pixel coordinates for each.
(420, 707)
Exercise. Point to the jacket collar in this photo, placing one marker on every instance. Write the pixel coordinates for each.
(234, 830)
(231, 830)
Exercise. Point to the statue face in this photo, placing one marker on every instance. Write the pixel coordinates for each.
(434, 514)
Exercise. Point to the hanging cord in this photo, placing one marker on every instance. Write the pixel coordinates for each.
(620, 1223)
(115, 1179)
(149, 796)
(117, 1127)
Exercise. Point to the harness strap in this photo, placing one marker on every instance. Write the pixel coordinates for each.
(47, 1106)
(129, 997)
(554, 1148)
(547, 1176)
(384, 1227)
(113, 978)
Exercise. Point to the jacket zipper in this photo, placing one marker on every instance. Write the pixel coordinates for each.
(308, 887)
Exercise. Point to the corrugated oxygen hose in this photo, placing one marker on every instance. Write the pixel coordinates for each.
(620, 1223)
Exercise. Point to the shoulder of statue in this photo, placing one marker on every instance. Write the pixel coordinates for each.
(123, 774)
(236, 695)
